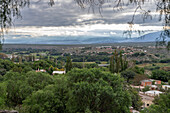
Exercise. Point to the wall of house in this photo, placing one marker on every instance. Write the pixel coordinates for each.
(148, 83)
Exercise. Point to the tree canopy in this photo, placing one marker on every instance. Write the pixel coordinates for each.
(80, 90)
(97, 91)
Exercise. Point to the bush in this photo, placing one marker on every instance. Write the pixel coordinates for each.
(160, 75)
(165, 61)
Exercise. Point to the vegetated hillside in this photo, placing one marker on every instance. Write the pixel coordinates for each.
(141, 56)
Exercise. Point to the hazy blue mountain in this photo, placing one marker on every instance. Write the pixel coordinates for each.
(150, 37)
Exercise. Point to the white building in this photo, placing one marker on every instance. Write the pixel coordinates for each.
(41, 70)
(166, 87)
(153, 93)
(59, 72)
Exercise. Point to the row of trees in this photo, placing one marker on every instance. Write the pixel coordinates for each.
(118, 63)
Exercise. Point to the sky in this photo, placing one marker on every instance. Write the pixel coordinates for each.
(66, 21)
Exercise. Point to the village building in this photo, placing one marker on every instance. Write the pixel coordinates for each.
(146, 83)
(166, 87)
(41, 70)
(103, 65)
(59, 72)
(150, 82)
(153, 93)
(156, 81)
(154, 87)
(138, 87)
(147, 100)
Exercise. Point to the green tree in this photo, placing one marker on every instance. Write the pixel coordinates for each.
(136, 99)
(13, 58)
(33, 58)
(68, 65)
(27, 69)
(30, 58)
(6, 64)
(42, 101)
(51, 99)
(96, 91)
(128, 74)
(20, 59)
(20, 86)
(160, 75)
(2, 72)
(146, 88)
(118, 63)
(2, 95)
(112, 67)
(50, 70)
(17, 69)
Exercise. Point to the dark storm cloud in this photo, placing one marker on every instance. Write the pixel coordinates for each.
(68, 13)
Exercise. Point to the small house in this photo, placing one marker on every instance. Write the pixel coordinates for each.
(166, 87)
(103, 65)
(59, 72)
(146, 83)
(156, 81)
(41, 70)
(153, 93)
(154, 87)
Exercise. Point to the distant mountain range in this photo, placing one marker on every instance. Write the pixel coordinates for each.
(150, 37)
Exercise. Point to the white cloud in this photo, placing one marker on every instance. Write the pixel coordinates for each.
(85, 30)
(112, 33)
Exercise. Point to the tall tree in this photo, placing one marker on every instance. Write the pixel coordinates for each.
(33, 58)
(121, 61)
(20, 59)
(68, 65)
(118, 63)
(30, 58)
(111, 68)
(13, 58)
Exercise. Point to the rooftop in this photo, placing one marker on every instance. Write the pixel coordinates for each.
(153, 92)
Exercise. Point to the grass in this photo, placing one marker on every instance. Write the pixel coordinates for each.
(154, 66)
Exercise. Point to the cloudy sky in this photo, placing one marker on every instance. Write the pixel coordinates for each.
(67, 21)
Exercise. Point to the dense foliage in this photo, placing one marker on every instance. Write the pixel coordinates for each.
(80, 90)
(118, 63)
(91, 89)
(68, 65)
(161, 75)
(162, 105)
(128, 74)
